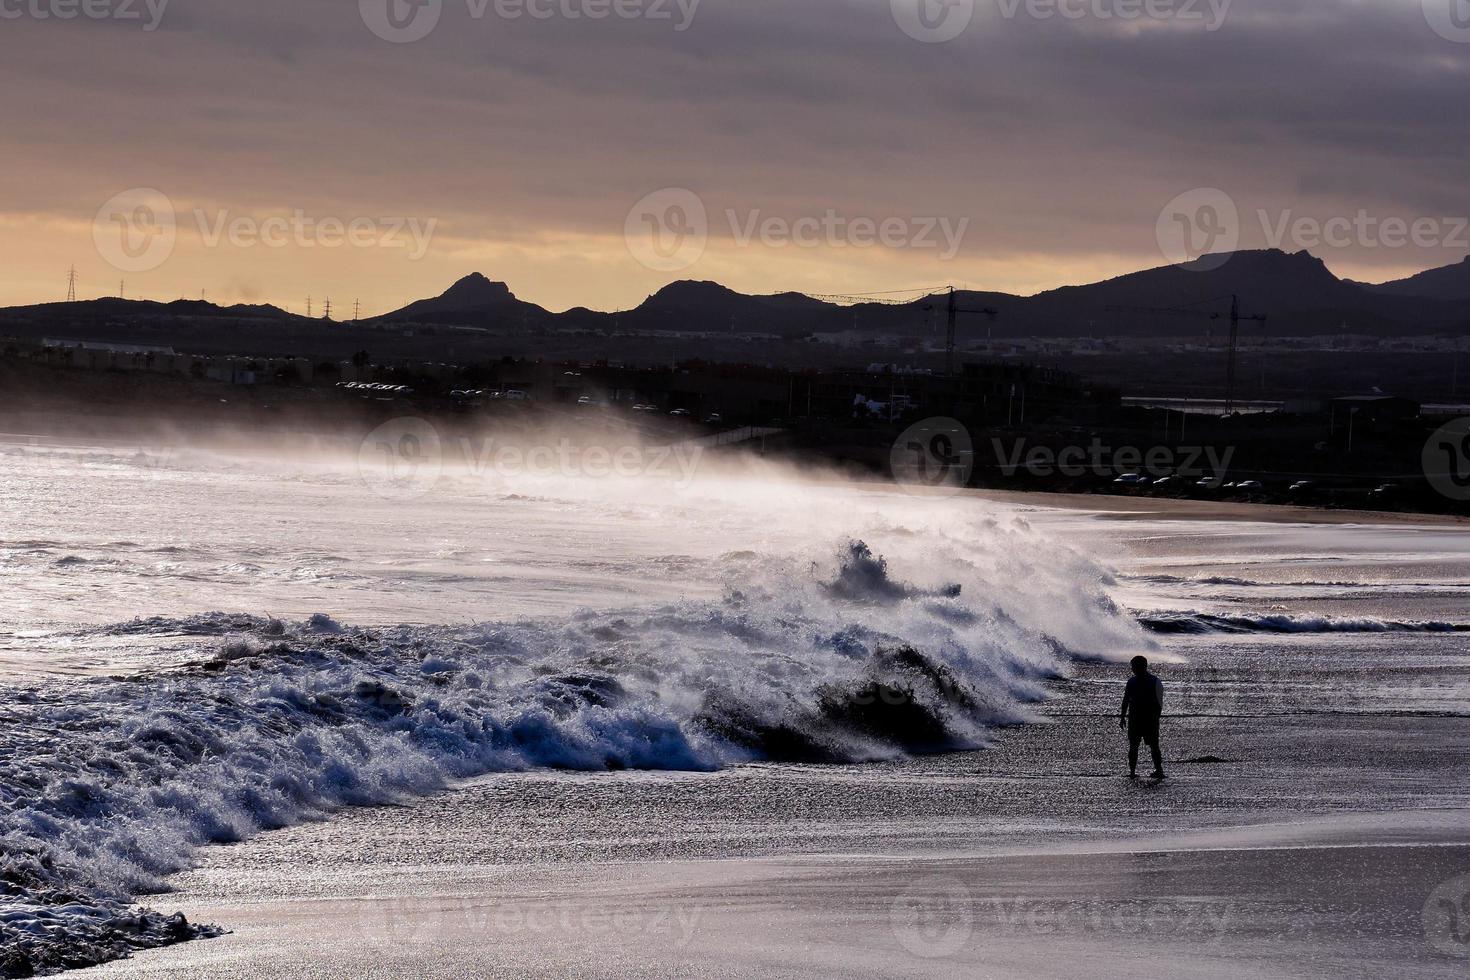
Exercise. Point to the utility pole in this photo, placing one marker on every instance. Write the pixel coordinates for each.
(327, 314)
(71, 285)
(356, 310)
(308, 307)
(122, 289)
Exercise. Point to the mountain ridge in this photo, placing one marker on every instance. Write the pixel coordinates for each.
(1296, 292)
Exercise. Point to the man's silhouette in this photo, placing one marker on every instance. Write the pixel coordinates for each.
(1143, 702)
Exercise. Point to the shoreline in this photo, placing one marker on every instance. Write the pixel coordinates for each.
(1129, 508)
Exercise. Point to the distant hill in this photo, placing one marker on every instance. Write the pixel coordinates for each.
(1296, 292)
(119, 307)
(713, 307)
(1451, 282)
(473, 300)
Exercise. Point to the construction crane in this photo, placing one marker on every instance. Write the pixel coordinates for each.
(890, 297)
(952, 317)
(952, 308)
(1235, 318)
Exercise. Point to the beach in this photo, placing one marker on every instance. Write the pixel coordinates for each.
(759, 726)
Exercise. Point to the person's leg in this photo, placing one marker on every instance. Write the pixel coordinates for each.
(1153, 745)
(1134, 737)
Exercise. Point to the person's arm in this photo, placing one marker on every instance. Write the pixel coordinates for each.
(1127, 697)
(1159, 692)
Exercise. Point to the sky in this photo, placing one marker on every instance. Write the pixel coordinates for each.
(588, 152)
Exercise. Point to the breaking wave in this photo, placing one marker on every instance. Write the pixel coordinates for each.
(112, 784)
(1201, 623)
(1237, 581)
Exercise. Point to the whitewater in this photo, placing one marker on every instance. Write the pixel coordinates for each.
(197, 647)
(178, 672)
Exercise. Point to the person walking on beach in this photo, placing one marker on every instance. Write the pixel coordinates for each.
(1143, 703)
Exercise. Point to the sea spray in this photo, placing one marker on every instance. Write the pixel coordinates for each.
(111, 785)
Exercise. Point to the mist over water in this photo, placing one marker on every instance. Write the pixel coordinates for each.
(202, 646)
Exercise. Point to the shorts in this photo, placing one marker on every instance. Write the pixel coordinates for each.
(1145, 731)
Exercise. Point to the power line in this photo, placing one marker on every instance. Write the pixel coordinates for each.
(71, 285)
(914, 295)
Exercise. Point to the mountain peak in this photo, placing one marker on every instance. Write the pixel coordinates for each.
(470, 299)
(684, 290)
(477, 287)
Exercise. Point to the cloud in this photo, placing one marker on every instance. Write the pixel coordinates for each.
(1059, 137)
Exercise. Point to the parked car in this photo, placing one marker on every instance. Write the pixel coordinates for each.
(1133, 480)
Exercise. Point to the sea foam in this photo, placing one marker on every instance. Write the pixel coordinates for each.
(111, 784)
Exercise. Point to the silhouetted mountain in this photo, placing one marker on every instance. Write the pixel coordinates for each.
(199, 307)
(116, 306)
(1297, 294)
(682, 305)
(472, 300)
(1450, 282)
(1274, 281)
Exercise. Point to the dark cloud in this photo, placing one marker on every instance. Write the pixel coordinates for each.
(1060, 139)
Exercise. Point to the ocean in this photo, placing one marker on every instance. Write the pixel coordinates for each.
(199, 648)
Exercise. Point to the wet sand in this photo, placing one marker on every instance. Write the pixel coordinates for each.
(1331, 897)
